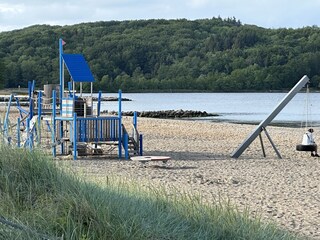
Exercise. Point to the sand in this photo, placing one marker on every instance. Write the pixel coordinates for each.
(284, 191)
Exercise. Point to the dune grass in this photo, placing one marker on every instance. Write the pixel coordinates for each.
(40, 200)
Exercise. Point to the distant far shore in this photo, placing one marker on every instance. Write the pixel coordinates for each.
(23, 99)
(24, 91)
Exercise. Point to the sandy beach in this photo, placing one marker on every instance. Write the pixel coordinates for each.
(284, 191)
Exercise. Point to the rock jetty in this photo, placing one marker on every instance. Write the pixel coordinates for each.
(111, 99)
(167, 114)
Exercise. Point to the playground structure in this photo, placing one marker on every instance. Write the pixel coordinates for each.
(66, 122)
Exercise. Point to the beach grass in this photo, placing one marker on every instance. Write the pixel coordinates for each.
(39, 199)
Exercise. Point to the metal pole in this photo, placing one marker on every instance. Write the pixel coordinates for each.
(61, 72)
(263, 151)
(33, 85)
(31, 103)
(91, 86)
(243, 146)
(99, 103)
(31, 106)
(135, 119)
(18, 132)
(126, 150)
(272, 144)
(69, 89)
(29, 135)
(75, 136)
(120, 123)
(54, 151)
(61, 65)
(141, 144)
(39, 116)
(6, 120)
(74, 90)
(30, 98)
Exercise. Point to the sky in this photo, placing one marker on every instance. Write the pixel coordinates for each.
(17, 14)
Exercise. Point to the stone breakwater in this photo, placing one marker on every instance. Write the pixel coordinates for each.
(111, 99)
(167, 114)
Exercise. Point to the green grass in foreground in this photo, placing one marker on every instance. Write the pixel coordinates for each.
(38, 200)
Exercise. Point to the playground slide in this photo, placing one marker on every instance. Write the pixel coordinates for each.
(33, 122)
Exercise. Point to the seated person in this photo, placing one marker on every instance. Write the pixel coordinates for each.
(309, 140)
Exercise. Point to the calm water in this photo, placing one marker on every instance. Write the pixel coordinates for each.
(234, 107)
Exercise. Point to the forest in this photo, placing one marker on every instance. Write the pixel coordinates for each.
(214, 55)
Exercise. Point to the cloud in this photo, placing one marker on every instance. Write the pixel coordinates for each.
(9, 13)
(266, 13)
(11, 9)
(197, 3)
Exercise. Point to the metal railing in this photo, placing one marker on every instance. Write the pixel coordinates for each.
(97, 129)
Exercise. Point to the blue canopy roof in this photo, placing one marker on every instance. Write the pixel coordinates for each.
(78, 68)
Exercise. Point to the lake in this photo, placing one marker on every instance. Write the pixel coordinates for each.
(232, 107)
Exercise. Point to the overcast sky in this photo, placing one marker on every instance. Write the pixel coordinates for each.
(16, 14)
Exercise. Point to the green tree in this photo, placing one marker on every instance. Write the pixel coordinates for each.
(2, 83)
(209, 54)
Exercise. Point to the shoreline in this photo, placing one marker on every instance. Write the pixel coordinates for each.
(209, 117)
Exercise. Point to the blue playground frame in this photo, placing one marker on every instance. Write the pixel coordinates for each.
(69, 130)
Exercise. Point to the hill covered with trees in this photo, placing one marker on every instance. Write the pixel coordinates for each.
(166, 55)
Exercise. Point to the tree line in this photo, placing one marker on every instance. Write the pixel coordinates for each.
(166, 55)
